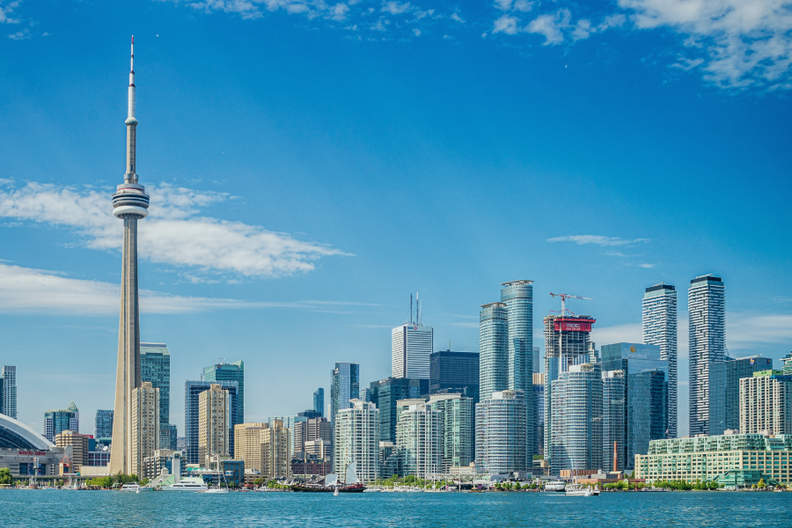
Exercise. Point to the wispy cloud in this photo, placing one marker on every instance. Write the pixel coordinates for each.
(599, 240)
(5, 13)
(744, 331)
(172, 234)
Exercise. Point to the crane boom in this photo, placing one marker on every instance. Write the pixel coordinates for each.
(565, 296)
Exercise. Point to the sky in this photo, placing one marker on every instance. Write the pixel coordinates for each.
(311, 164)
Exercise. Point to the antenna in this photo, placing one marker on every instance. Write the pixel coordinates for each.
(411, 313)
(417, 308)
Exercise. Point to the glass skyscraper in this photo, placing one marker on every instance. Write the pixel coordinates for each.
(454, 372)
(8, 391)
(230, 372)
(493, 350)
(192, 389)
(104, 424)
(318, 401)
(614, 429)
(57, 421)
(501, 432)
(706, 314)
(155, 368)
(659, 325)
(345, 386)
(385, 393)
(458, 442)
(724, 384)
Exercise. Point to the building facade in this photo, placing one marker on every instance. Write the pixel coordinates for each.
(724, 384)
(345, 386)
(275, 455)
(458, 440)
(766, 403)
(155, 369)
(104, 424)
(318, 401)
(614, 428)
(357, 440)
(419, 439)
(214, 423)
(501, 444)
(411, 346)
(233, 372)
(8, 391)
(707, 338)
(57, 421)
(145, 425)
(312, 429)
(248, 444)
(192, 389)
(539, 407)
(386, 393)
(659, 326)
(451, 371)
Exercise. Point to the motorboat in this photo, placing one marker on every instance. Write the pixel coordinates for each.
(188, 484)
(134, 487)
(578, 491)
(555, 485)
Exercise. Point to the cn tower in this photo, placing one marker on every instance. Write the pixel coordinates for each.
(130, 203)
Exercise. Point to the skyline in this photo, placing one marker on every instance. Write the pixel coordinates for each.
(319, 208)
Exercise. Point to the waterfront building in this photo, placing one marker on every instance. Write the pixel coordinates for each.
(24, 452)
(192, 389)
(724, 384)
(345, 386)
(419, 438)
(104, 424)
(567, 343)
(386, 393)
(493, 349)
(356, 439)
(171, 434)
(539, 407)
(318, 401)
(163, 459)
(614, 413)
(312, 429)
(145, 424)
(214, 423)
(501, 433)
(130, 203)
(766, 403)
(8, 391)
(576, 443)
(451, 371)
(787, 362)
(411, 345)
(98, 458)
(78, 444)
(275, 455)
(155, 368)
(58, 420)
(230, 372)
(722, 458)
(659, 325)
(707, 337)
(457, 437)
(248, 444)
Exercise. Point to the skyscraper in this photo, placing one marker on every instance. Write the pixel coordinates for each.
(8, 392)
(155, 369)
(357, 440)
(706, 313)
(345, 386)
(614, 429)
(419, 439)
(230, 372)
(275, 450)
(58, 420)
(501, 433)
(104, 424)
(411, 345)
(386, 393)
(766, 403)
(458, 443)
(659, 324)
(192, 389)
(214, 424)
(458, 372)
(145, 424)
(318, 401)
(130, 203)
(724, 384)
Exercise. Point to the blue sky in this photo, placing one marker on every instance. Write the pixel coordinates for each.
(311, 164)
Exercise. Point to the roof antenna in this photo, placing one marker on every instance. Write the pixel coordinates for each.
(411, 313)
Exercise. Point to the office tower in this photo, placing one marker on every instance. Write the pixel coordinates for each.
(130, 203)
(312, 429)
(171, 437)
(230, 372)
(419, 439)
(8, 392)
(493, 350)
(567, 343)
(79, 445)
(646, 394)
(214, 423)
(411, 345)
(155, 368)
(57, 421)
(576, 443)
(539, 416)
(345, 386)
(248, 444)
(275, 455)
(724, 384)
(501, 433)
(356, 440)
(706, 316)
(454, 372)
(659, 325)
(385, 393)
(457, 438)
(614, 413)
(145, 424)
(766, 403)
(192, 389)
(104, 424)
(318, 401)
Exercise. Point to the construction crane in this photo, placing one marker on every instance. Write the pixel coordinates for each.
(564, 297)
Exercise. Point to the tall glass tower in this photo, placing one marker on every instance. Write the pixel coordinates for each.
(493, 350)
(345, 387)
(659, 323)
(230, 372)
(707, 336)
(8, 391)
(318, 401)
(155, 368)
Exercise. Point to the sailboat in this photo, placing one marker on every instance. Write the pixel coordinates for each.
(352, 484)
(220, 488)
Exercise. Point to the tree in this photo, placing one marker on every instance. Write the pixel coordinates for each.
(5, 476)
(761, 484)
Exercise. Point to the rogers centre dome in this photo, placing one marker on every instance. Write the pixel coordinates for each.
(16, 435)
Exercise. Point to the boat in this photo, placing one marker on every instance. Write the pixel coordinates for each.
(219, 488)
(555, 485)
(188, 484)
(134, 487)
(332, 485)
(577, 490)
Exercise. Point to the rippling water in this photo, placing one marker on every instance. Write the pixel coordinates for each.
(438, 510)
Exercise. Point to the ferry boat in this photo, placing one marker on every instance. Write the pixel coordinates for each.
(188, 484)
(134, 487)
(555, 485)
(578, 491)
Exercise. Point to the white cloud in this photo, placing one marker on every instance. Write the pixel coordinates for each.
(174, 233)
(455, 16)
(417, 32)
(745, 331)
(551, 26)
(505, 24)
(395, 8)
(646, 266)
(5, 13)
(20, 35)
(598, 240)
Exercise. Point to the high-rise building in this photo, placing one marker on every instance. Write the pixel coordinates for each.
(766, 403)
(214, 423)
(614, 413)
(276, 458)
(493, 349)
(312, 429)
(419, 439)
(192, 389)
(567, 343)
(356, 439)
(345, 386)
(130, 203)
(58, 420)
(576, 443)
(454, 372)
(539, 416)
(79, 444)
(104, 424)
(458, 441)
(155, 368)
(230, 372)
(145, 424)
(248, 444)
(386, 393)
(501, 433)
(724, 384)
(318, 401)
(8, 391)
(787, 362)
(171, 437)
(411, 345)
(659, 324)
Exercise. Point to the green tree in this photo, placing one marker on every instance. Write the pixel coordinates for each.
(761, 484)
(5, 476)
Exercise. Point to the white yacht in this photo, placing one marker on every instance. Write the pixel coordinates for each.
(188, 484)
(555, 485)
(578, 491)
(134, 487)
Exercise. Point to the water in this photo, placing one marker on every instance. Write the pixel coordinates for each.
(437, 510)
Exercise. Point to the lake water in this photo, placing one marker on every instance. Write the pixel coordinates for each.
(167, 509)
